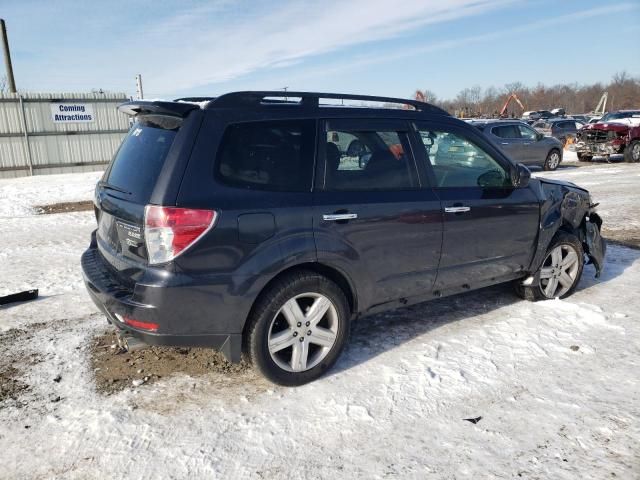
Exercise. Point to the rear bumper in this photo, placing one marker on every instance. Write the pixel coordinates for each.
(186, 315)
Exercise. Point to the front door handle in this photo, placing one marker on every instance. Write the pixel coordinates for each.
(457, 209)
(336, 217)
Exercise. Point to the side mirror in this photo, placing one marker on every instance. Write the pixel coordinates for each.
(521, 176)
(539, 136)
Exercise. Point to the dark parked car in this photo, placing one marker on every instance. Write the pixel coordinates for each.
(522, 143)
(260, 224)
(536, 115)
(564, 129)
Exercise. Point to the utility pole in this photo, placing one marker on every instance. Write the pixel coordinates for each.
(139, 86)
(7, 57)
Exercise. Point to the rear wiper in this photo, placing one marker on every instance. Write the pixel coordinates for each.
(112, 187)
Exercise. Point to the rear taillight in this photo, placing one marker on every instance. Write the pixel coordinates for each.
(169, 231)
(152, 327)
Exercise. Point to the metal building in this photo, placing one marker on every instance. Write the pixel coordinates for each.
(44, 133)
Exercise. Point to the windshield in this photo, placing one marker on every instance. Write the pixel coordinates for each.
(618, 115)
(137, 163)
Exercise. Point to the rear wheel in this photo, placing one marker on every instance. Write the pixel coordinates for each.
(298, 328)
(553, 160)
(632, 152)
(560, 271)
(583, 157)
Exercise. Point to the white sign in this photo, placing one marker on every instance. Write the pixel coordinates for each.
(72, 113)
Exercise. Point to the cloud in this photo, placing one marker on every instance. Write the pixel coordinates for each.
(208, 46)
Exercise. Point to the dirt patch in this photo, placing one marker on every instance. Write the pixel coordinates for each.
(65, 207)
(14, 362)
(625, 238)
(10, 386)
(115, 370)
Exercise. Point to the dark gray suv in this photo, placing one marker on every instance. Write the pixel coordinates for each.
(522, 143)
(261, 224)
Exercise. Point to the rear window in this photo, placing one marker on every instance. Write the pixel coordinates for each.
(269, 155)
(137, 163)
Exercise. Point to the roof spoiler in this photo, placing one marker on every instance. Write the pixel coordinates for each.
(139, 107)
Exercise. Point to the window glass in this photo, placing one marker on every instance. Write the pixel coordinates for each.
(137, 164)
(527, 132)
(506, 131)
(275, 155)
(457, 162)
(368, 160)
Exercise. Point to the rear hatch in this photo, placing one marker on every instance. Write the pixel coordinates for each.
(127, 187)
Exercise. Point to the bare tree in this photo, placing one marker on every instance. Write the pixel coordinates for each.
(624, 92)
(4, 87)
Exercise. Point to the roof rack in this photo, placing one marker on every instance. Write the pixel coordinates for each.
(308, 100)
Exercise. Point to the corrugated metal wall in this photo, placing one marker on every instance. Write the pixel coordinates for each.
(51, 147)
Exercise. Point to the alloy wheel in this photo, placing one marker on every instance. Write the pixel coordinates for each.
(559, 271)
(635, 153)
(554, 160)
(303, 332)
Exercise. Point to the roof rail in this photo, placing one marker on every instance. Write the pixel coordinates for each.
(194, 99)
(308, 100)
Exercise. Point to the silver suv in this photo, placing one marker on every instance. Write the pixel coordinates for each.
(522, 143)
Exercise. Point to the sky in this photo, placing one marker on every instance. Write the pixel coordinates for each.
(186, 48)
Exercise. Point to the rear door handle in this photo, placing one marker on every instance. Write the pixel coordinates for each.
(457, 209)
(504, 143)
(334, 217)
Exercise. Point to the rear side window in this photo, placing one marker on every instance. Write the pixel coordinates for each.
(506, 131)
(137, 163)
(357, 160)
(270, 155)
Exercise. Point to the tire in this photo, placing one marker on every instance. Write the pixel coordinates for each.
(553, 160)
(285, 341)
(563, 243)
(582, 157)
(632, 152)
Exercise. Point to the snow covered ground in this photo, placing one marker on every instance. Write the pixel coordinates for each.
(556, 383)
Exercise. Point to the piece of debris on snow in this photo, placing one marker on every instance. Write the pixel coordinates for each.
(575, 348)
(19, 297)
(57, 378)
(473, 420)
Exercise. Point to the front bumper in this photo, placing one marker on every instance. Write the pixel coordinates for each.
(181, 321)
(601, 148)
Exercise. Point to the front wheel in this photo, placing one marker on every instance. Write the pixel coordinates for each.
(632, 152)
(298, 328)
(560, 271)
(552, 161)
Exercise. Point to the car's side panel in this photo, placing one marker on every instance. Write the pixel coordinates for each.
(503, 223)
(392, 246)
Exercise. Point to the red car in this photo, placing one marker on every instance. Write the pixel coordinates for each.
(615, 133)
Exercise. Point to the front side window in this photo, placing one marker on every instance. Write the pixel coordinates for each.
(527, 132)
(270, 155)
(458, 162)
(358, 160)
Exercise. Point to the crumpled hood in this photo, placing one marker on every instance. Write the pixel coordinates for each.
(562, 183)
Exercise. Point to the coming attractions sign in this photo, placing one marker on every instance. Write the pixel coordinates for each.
(72, 113)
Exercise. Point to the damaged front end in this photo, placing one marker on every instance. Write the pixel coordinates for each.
(568, 207)
(602, 139)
